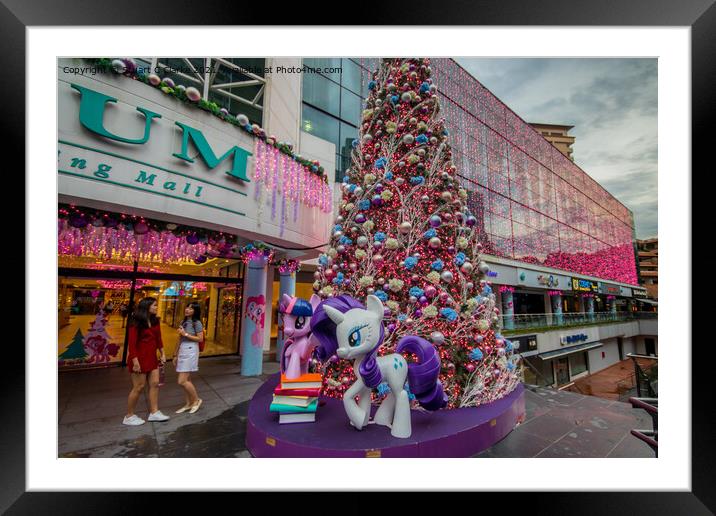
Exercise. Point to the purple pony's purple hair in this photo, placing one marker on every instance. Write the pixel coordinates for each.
(324, 329)
(423, 375)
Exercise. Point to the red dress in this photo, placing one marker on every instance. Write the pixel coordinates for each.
(144, 344)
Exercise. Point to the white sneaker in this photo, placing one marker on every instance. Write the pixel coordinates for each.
(133, 420)
(157, 416)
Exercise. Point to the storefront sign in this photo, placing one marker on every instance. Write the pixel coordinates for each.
(132, 149)
(639, 293)
(625, 292)
(582, 285)
(605, 288)
(577, 338)
(537, 279)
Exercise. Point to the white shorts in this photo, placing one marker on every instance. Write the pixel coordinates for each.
(188, 357)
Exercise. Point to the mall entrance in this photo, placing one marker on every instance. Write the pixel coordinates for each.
(94, 305)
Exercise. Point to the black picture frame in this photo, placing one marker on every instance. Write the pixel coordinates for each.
(699, 15)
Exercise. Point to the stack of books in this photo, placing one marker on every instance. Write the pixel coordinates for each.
(296, 399)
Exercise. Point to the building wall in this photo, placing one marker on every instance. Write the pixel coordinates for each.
(282, 104)
(610, 350)
(629, 345)
(534, 203)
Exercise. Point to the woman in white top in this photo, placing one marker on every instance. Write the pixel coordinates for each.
(186, 359)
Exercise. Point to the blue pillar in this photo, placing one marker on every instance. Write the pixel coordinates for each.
(613, 308)
(288, 287)
(508, 310)
(557, 309)
(254, 317)
(590, 308)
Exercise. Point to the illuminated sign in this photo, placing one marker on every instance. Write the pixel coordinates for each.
(582, 285)
(573, 339)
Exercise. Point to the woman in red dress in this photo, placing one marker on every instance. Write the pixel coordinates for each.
(145, 339)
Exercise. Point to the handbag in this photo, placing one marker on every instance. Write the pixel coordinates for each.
(201, 342)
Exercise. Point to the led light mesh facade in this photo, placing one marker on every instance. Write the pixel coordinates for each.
(532, 202)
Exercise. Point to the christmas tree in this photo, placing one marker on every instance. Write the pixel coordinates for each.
(76, 349)
(405, 234)
(97, 341)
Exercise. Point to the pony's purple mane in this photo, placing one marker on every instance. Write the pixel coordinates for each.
(423, 375)
(324, 329)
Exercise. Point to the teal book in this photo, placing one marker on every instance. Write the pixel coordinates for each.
(277, 407)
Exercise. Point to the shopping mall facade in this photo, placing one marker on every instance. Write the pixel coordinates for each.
(160, 197)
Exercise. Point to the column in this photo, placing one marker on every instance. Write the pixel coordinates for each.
(254, 317)
(582, 303)
(557, 309)
(590, 307)
(508, 309)
(287, 286)
(613, 308)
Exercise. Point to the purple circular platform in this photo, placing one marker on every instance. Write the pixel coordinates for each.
(445, 433)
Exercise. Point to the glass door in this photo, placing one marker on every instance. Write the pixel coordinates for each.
(562, 369)
(228, 316)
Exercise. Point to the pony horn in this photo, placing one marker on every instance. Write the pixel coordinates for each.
(335, 315)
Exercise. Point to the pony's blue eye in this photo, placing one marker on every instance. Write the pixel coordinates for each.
(354, 339)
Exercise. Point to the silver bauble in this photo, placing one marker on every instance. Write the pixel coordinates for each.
(483, 268)
(362, 241)
(434, 243)
(405, 227)
(446, 276)
(437, 338)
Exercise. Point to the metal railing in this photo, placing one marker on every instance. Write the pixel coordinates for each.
(527, 321)
(650, 437)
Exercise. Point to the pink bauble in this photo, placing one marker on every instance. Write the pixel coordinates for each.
(470, 367)
(192, 94)
(430, 291)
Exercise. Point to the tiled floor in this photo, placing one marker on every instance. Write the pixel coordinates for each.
(91, 405)
(604, 383)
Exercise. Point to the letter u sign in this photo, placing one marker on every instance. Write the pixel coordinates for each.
(92, 105)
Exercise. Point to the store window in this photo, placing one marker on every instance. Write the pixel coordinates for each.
(108, 262)
(526, 303)
(578, 363)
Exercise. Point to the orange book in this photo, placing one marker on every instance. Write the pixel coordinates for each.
(305, 381)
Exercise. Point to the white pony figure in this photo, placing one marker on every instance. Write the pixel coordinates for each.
(344, 327)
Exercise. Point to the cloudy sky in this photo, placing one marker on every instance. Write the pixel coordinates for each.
(611, 102)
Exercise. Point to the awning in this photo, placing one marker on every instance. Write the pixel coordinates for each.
(648, 301)
(549, 355)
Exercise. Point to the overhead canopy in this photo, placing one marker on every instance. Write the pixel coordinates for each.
(648, 301)
(571, 349)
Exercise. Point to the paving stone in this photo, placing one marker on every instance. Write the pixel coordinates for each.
(91, 405)
(547, 426)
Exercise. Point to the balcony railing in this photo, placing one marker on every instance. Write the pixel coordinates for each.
(530, 321)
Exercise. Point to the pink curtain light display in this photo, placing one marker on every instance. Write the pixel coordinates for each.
(532, 203)
(289, 183)
(119, 243)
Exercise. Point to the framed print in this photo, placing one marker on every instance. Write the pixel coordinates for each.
(276, 255)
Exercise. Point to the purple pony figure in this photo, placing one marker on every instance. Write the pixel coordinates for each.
(298, 346)
(344, 327)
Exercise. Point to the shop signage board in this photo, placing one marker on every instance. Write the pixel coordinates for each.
(582, 285)
(639, 293)
(625, 291)
(543, 280)
(578, 336)
(125, 146)
(502, 274)
(606, 288)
